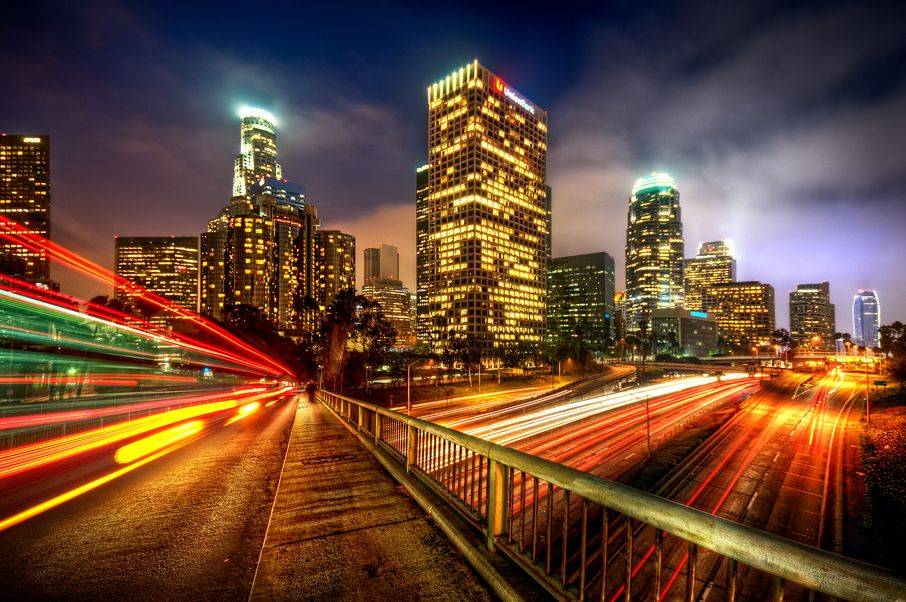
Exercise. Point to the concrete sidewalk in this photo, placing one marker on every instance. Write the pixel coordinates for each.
(342, 529)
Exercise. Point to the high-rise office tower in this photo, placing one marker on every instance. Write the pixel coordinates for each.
(654, 249)
(335, 264)
(866, 318)
(580, 296)
(25, 198)
(382, 262)
(422, 325)
(714, 264)
(260, 249)
(395, 302)
(812, 316)
(744, 312)
(257, 158)
(484, 271)
(619, 315)
(165, 265)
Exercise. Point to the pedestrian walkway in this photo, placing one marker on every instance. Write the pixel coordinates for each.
(342, 529)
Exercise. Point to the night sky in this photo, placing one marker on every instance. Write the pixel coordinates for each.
(784, 125)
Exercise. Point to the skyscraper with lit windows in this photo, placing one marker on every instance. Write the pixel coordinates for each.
(260, 249)
(744, 312)
(335, 264)
(165, 265)
(654, 249)
(812, 316)
(25, 199)
(483, 271)
(580, 300)
(422, 321)
(866, 318)
(714, 264)
(257, 158)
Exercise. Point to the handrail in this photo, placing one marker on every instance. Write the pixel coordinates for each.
(808, 566)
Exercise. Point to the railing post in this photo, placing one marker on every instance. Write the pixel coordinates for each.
(361, 418)
(410, 447)
(497, 497)
(377, 427)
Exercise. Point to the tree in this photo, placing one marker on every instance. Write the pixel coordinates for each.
(893, 344)
(337, 325)
(376, 335)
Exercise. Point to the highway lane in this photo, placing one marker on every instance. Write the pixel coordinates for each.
(188, 525)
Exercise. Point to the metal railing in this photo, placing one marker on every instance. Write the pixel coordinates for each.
(583, 536)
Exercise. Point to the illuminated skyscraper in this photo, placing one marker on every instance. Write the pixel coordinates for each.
(484, 269)
(165, 265)
(619, 315)
(744, 312)
(422, 245)
(714, 264)
(580, 296)
(260, 249)
(812, 316)
(395, 302)
(257, 158)
(25, 198)
(654, 249)
(383, 262)
(866, 318)
(335, 264)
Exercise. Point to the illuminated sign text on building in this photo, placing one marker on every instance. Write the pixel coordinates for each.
(509, 93)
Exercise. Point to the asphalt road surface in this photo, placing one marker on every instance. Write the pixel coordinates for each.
(188, 526)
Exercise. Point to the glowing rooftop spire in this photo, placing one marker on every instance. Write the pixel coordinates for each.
(655, 180)
(257, 112)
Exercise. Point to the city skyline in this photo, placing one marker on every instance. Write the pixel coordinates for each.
(730, 189)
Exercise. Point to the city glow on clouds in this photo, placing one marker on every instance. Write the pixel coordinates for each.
(783, 127)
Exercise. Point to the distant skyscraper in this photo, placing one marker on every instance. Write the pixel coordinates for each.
(866, 318)
(744, 312)
(422, 256)
(383, 262)
(25, 198)
(335, 264)
(260, 249)
(812, 315)
(580, 294)
(714, 264)
(257, 158)
(395, 302)
(165, 265)
(484, 272)
(654, 249)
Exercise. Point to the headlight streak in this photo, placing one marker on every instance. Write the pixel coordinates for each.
(152, 443)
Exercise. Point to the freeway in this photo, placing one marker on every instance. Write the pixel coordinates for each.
(188, 525)
(776, 466)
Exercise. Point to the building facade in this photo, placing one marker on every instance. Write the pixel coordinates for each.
(25, 199)
(422, 320)
(619, 311)
(395, 302)
(485, 225)
(382, 262)
(867, 319)
(335, 264)
(714, 264)
(580, 297)
(260, 249)
(654, 249)
(165, 265)
(257, 158)
(744, 312)
(812, 316)
(678, 332)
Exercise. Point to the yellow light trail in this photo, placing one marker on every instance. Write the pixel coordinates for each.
(152, 443)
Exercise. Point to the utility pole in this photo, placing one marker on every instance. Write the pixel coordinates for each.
(648, 423)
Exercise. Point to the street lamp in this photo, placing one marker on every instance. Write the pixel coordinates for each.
(409, 383)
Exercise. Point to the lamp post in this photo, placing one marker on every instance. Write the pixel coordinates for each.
(409, 383)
